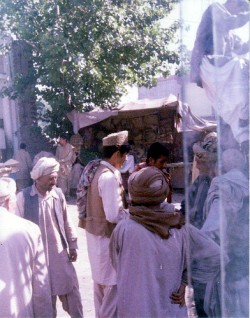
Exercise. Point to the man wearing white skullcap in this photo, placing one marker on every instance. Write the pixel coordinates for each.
(44, 204)
(24, 282)
(101, 204)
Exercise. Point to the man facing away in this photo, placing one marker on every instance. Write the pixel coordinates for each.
(25, 165)
(24, 282)
(149, 250)
(226, 213)
(101, 195)
(45, 205)
(65, 155)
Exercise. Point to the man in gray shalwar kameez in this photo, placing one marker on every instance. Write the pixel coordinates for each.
(226, 214)
(149, 252)
(45, 205)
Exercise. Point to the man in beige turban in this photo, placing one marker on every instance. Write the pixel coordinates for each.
(205, 159)
(100, 200)
(205, 156)
(44, 204)
(24, 282)
(149, 250)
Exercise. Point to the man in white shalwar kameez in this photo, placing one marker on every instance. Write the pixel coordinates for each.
(101, 204)
(149, 252)
(45, 205)
(24, 281)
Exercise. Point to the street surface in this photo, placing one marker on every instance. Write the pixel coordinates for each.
(82, 269)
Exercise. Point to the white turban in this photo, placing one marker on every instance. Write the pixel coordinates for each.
(43, 167)
(7, 188)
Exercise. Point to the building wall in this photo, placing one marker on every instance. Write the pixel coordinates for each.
(8, 113)
(18, 117)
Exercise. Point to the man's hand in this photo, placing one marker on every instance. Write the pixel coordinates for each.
(179, 297)
(72, 255)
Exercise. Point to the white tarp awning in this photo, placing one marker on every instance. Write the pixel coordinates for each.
(85, 119)
(82, 120)
(185, 121)
(188, 121)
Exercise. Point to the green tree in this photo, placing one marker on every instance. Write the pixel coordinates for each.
(85, 53)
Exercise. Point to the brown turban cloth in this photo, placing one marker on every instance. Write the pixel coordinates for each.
(148, 186)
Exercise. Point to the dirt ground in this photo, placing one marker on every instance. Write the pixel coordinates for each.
(82, 268)
(82, 264)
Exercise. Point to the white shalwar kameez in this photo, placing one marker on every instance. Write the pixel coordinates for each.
(102, 270)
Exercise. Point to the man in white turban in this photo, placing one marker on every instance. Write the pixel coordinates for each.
(24, 282)
(44, 204)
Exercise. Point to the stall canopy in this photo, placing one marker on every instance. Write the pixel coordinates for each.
(185, 119)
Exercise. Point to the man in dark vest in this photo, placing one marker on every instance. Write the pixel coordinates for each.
(101, 203)
(45, 205)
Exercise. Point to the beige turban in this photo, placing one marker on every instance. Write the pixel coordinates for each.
(207, 149)
(116, 139)
(7, 188)
(43, 167)
(148, 186)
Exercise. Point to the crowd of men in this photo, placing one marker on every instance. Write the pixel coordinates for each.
(143, 253)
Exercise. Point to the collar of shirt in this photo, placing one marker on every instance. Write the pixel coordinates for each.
(49, 194)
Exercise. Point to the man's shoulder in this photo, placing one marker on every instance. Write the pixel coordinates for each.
(129, 226)
(69, 146)
(106, 174)
(57, 192)
(102, 168)
(22, 224)
(25, 191)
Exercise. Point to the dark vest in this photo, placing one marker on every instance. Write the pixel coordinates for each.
(31, 212)
(95, 221)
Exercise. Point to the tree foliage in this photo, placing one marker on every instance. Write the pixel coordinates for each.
(86, 52)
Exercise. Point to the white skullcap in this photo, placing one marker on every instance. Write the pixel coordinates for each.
(116, 139)
(43, 167)
(7, 187)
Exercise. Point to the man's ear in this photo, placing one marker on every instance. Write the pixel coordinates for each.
(7, 204)
(151, 161)
(118, 154)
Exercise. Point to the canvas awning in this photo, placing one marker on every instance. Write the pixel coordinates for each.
(143, 107)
